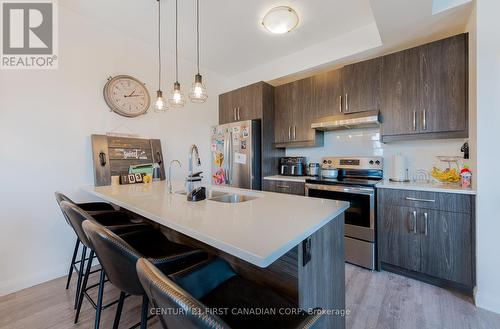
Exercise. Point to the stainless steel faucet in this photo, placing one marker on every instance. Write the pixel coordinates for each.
(193, 149)
(169, 182)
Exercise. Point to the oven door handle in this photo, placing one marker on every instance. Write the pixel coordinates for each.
(341, 188)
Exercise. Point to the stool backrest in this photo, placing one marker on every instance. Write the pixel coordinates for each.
(60, 197)
(116, 256)
(75, 217)
(175, 307)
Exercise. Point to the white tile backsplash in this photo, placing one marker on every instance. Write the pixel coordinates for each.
(366, 142)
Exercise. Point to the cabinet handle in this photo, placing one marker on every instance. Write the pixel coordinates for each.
(340, 104)
(346, 102)
(239, 118)
(234, 114)
(424, 120)
(289, 132)
(294, 132)
(426, 217)
(414, 120)
(414, 222)
(282, 186)
(421, 200)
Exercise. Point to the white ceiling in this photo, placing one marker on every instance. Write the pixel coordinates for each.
(233, 42)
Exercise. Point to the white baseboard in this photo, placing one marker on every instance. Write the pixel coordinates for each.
(490, 302)
(20, 283)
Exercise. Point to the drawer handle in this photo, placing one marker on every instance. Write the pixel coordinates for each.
(414, 222)
(282, 186)
(421, 200)
(426, 222)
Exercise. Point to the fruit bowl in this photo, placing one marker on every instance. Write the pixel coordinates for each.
(448, 175)
(449, 172)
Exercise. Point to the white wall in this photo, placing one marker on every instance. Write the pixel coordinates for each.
(46, 118)
(488, 154)
(420, 155)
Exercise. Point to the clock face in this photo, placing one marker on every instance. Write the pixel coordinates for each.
(126, 96)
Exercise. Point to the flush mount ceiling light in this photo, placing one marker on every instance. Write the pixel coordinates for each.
(280, 20)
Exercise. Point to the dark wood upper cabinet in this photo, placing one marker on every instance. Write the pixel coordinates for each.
(241, 104)
(421, 93)
(327, 93)
(294, 112)
(284, 107)
(443, 99)
(400, 80)
(424, 91)
(304, 112)
(361, 84)
(254, 102)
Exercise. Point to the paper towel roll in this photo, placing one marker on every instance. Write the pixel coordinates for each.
(399, 168)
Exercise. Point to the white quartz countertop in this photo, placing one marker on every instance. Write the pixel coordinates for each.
(301, 179)
(430, 187)
(258, 231)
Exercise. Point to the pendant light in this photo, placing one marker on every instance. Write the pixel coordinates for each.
(176, 98)
(159, 104)
(198, 92)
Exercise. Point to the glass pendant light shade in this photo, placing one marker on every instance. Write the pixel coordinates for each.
(160, 104)
(198, 92)
(176, 98)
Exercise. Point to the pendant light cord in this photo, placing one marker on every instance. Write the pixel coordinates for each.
(198, 34)
(176, 49)
(159, 44)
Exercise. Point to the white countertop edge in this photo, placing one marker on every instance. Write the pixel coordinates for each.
(301, 179)
(260, 261)
(428, 187)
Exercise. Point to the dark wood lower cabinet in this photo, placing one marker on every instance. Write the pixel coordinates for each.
(399, 245)
(446, 245)
(287, 187)
(434, 245)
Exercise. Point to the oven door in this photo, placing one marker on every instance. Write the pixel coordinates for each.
(360, 216)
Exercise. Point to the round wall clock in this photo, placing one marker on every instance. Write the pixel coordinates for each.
(127, 96)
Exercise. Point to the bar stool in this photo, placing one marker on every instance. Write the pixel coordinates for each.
(213, 285)
(75, 216)
(119, 254)
(106, 214)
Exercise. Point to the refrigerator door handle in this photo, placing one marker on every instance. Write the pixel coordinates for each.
(230, 158)
(226, 157)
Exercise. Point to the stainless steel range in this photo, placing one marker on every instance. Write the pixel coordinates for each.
(352, 179)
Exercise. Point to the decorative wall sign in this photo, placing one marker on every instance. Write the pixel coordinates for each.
(124, 154)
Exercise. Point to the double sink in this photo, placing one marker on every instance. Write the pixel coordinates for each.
(224, 197)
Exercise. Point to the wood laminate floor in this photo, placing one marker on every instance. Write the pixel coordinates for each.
(375, 300)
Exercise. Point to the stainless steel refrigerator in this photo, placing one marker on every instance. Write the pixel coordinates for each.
(236, 154)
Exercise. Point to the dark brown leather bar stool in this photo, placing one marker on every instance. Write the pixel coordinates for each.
(75, 217)
(183, 298)
(119, 254)
(106, 214)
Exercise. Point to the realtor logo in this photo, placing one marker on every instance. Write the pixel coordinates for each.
(29, 39)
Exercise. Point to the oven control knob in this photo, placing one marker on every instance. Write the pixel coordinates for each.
(329, 161)
(371, 162)
(324, 161)
(377, 162)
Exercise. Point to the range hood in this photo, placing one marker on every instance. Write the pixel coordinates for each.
(367, 119)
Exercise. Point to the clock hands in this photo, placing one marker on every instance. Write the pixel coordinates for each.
(132, 94)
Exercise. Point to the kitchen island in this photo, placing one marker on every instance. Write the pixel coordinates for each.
(291, 243)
